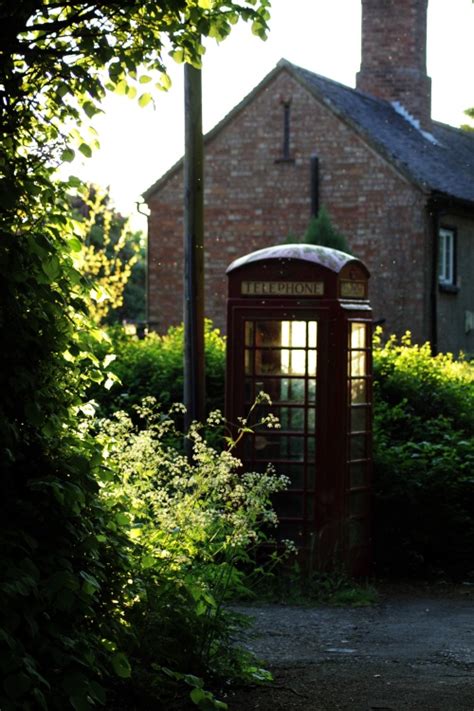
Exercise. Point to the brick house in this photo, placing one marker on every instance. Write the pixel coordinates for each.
(397, 184)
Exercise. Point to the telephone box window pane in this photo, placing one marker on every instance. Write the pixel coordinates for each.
(289, 505)
(293, 362)
(274, 447)
(249, 333)
(290, 530)
(248, 391)
(358, 419)
(358, 444)
(311, 390)
(359, 503)
(268, 333)
(358, 390)
(358, 363)
(291, 418)
(312, 363)
(359, 532)
(248, 357)
(311, 419)
(295, 472)
(293, 334)
(358, 335)
(358, 474)
(267, 362)
(311, 447)
(312, 334)
(292, 390)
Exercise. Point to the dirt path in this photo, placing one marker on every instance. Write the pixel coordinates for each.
(406, 652)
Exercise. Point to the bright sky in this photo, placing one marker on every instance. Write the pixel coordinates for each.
(139, 144)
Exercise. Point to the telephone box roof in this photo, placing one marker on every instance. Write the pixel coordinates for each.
(331, 259)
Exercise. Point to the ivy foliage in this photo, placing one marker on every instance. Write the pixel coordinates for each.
(64, 565)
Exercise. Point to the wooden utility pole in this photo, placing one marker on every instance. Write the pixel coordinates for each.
(194, 371)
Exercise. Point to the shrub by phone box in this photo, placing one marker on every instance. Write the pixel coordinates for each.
(191, 524)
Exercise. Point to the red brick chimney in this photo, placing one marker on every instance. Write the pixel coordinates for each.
(393, 63)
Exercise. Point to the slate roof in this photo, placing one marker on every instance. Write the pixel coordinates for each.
(440, 162)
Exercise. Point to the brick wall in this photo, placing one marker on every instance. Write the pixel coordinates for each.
(253, 200)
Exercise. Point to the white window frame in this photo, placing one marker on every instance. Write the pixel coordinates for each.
(446, 256)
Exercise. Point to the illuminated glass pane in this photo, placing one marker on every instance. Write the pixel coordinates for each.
(358, 419)
(249, 333)
(358, 390)
(358, 335)
(312, 334)
(312, 362)
(358, 474)
(358, 444)
(358, 363)
(311, 419)
(293, 362)
(311, 390)
(293, 334)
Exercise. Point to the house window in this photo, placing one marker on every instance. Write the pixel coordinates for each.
(447, 257)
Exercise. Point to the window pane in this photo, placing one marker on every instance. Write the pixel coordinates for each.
(358, 390)
(249, 333)
(248, 358)
(312, 334)
(358, 363)
(358, 335)
(293, 362)
(268, 333)
(358, 419)
(268, 362)
(359, 503)
(289, 505)
(358, 443)
(358, 474)
(291, 418)
(312, 362)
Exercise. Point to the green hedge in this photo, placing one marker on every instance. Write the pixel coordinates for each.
(423, 460)
(154, 367)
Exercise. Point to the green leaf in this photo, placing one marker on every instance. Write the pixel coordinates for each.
(85, 150)
(68, 155)
(145, 79)
(121, 665)
(144, 100)
(206, 4)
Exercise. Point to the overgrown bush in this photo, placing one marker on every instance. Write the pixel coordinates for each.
(190, 526)
(423, 460)
(154, 367)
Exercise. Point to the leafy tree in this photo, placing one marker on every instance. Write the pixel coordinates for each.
(470, 114)
(322, 231)
(64, 558)
(108, 258)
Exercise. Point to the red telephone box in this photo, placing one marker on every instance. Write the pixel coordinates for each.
(299, 329)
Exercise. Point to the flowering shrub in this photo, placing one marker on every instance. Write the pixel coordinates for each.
(189, 525)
